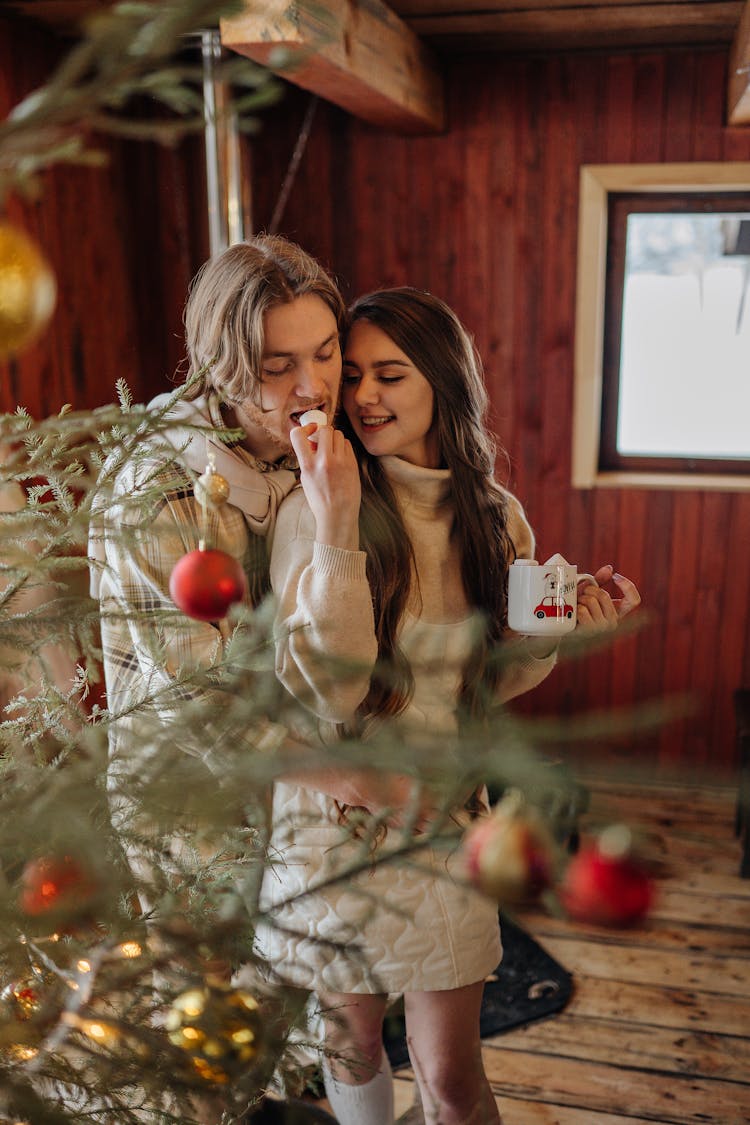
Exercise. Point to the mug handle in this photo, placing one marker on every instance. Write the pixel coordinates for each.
(586, 577)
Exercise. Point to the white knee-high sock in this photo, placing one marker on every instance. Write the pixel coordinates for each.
(368, 1104)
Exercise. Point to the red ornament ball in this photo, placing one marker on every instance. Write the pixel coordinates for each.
(509, 855)
(206, 582)
(607, 886)
(55, 884)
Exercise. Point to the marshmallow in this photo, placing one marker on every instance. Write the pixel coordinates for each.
(314, 416)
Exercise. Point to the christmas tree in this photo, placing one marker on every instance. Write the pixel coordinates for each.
(118, 1001)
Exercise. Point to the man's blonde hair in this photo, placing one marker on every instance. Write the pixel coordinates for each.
(228, 298)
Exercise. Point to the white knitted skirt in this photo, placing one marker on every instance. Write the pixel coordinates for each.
(406, 924)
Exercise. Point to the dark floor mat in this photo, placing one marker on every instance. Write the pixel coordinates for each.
(527, 985)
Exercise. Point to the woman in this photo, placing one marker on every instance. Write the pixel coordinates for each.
(409, 594)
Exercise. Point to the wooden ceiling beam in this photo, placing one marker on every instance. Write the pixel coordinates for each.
(562, 25)
(738, 88)
(355, 53)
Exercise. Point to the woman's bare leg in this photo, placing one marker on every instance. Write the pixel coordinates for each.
(354, 1030)
(442, 1030)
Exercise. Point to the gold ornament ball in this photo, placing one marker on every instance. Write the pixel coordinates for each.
(212, 488)
(22, 1009)
(24, 997)
(510, 854)
(27, 290)
(219, 1028)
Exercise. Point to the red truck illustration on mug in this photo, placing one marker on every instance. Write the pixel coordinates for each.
(553, 603)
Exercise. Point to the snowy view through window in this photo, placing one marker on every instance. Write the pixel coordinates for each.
(685, 356)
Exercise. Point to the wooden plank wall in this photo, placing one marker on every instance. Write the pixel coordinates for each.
(124, 241)
(486, 216)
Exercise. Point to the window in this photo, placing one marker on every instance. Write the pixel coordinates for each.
(662, 395)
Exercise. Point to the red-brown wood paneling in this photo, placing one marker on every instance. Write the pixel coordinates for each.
(486, 216)
(124, 241)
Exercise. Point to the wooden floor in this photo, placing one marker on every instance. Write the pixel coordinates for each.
(658, 1028)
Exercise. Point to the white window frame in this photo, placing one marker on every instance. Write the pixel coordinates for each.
(596, 181)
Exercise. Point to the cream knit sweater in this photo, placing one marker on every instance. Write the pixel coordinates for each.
(325, 618)
(398, 926)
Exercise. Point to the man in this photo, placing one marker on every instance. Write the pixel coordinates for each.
(263, 323)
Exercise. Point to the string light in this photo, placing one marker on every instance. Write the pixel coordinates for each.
(129, 949)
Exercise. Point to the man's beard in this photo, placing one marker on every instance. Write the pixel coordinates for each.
(250, 412)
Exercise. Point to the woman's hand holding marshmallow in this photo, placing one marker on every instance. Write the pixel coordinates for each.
(329, 475)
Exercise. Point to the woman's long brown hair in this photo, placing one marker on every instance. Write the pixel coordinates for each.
(436, 342)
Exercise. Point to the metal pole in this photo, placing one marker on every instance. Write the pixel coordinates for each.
(222, 144)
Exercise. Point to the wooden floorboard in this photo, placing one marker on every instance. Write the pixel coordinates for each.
(665, 933)
(650, 965)
(636, 1046)
(678, 1008)
(658, 1026)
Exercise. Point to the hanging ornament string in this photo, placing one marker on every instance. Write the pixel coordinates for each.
(294, 163)
(211, 490)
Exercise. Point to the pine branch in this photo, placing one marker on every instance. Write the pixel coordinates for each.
(127, 51)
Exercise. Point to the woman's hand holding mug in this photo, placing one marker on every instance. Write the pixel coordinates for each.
(552, 598)
(598, 611)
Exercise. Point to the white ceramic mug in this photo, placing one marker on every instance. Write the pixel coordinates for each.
(542, 597)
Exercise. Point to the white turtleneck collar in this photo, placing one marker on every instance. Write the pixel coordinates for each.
(418, 484)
